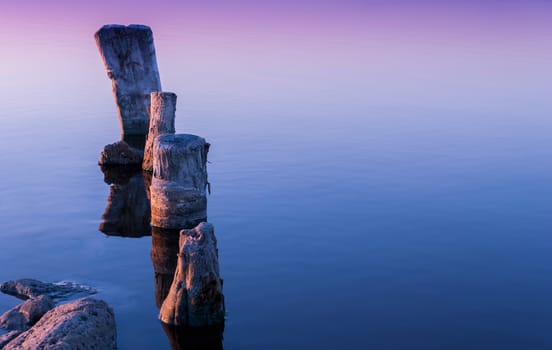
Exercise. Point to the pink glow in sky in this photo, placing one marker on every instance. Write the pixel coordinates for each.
(403, 19)
(389, 48)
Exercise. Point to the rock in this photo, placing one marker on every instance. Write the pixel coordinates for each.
(120, 153)
(179, 184)
(26, 314)
(30, 288)
(6, 338)
(195, 298)
(127, 213)
(82, 324)
(163, 107)
(128, 53)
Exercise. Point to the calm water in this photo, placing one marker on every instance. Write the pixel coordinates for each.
(357, 203)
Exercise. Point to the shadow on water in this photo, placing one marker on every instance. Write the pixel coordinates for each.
(128, 212)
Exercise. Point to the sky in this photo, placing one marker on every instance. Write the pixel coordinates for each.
(407, 20)
(414, 51)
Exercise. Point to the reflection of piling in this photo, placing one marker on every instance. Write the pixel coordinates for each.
(195, 298)
(163, 107)
(178, 188)
(129, 57)
(128, 210)
(182, 338)
(118, 174)
(135, 141)
(164, 251)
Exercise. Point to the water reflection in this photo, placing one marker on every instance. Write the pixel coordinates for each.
(194, 339)
(128, 214)
(128, 211)
(136, 141)
(164, 255)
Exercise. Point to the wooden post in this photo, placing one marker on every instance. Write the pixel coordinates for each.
(195, 298)
(179, 183)
(129, 57)
(147, 180)
(163, 106)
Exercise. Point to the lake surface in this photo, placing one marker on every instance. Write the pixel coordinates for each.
(358, 202)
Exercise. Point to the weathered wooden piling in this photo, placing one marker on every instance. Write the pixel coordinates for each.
(129, 57)
(195, 298)
(147, 180)
(179, 183)
(162, 109)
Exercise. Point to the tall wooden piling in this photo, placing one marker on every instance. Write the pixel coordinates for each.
(179, 183)
(162, 114)
(129, 57)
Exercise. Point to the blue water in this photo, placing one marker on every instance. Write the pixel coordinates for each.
(343, 220)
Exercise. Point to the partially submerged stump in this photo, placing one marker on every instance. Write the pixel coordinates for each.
(163, 107)
(195, 298)
(83, 324)
(128, 53)
(120, 153)
(179, 184)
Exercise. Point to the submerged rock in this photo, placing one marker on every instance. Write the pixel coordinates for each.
(26, 314)
(26, 288)
(120, 153)
(83, 324)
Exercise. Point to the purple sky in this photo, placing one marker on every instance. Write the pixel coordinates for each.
(484, 50)
(492, 17)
